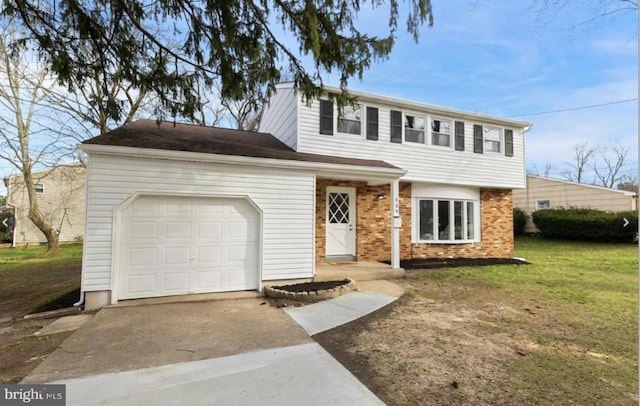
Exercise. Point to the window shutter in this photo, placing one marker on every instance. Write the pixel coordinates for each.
(372, 123)
(508, 142)
(477, 139)
(459, 136)
(396, 126)
(326, 117)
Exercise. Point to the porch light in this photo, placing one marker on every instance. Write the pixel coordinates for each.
(380, 196)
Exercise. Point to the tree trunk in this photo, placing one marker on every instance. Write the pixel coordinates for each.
(35, 215)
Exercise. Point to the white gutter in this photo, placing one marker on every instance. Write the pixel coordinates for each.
(327, 169)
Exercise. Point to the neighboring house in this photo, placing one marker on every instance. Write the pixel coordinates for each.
(61, 198)
(546, 193)
(176, 209)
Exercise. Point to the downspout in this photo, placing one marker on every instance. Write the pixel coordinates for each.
(84, 163)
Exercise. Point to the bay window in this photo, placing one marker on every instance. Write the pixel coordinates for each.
(446, 220)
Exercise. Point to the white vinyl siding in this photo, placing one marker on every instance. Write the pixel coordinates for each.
(424, 163)
(284, 197)
(279, 117)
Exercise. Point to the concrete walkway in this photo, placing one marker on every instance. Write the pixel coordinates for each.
(228, 352)
(304, 374)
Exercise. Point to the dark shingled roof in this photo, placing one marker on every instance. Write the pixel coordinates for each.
(193, 138)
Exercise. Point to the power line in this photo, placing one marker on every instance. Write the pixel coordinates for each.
(576, 108)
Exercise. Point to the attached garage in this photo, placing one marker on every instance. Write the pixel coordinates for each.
(177, 209)
(174, 245)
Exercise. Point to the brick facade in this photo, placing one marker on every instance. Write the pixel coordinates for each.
(373, 238)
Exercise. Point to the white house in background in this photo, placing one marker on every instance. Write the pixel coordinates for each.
(175, 209)
(61, 196)
(547, 193)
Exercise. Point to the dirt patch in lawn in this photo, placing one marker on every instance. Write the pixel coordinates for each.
(26, 291)
(418, 352)
(21, 351)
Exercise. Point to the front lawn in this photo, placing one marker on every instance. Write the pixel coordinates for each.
(563, 330)
(31, 277)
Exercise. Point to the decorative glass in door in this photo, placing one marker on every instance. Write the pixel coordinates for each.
(339, 208)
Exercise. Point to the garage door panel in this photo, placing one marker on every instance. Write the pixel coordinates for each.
(208, 206)
(145, 284)
(209, 255)
(140, 230)
(176, 282)
(239, 253)
(145, 208)
(188, 245)
(177, 255)
(178, 205)
(209, 229)
(209, 280)
(177, 230)
(142, 257)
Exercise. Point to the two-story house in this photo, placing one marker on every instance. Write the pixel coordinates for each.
(176, 209)
(61, 198)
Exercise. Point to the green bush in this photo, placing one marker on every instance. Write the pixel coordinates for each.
(586, 224)
(519, 221)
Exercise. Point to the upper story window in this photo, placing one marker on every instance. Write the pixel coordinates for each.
(351, 120)
(39, 187)
(440, 132)
(492, 139)
(326, 117)
(414, 128)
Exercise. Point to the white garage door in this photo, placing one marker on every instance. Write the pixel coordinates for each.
(178, 245)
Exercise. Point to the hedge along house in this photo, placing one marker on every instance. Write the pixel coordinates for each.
(181, 209)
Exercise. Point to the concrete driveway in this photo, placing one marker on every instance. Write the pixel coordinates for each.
(126, 338)
(231, 352)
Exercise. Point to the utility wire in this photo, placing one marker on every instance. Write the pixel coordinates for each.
(575, 108)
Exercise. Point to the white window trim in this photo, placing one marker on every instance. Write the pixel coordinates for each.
(363, 121)
(427, 122)
(501, 140)
(35, 185)
(451, 132)
(415, 223)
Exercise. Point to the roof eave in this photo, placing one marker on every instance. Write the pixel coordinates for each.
(324, 169)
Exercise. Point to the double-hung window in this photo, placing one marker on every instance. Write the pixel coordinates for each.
(350, 122)
(440, 132)
(446, 220)
(414, 128)
(492, 139)
(39, 188)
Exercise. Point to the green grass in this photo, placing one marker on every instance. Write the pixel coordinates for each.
(37, 256)
(578, 302)
(31, 277)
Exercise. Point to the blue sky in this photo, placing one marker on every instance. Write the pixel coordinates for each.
(505, 58)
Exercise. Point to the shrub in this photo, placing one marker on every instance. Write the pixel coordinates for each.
(519, 221)
(586, 224)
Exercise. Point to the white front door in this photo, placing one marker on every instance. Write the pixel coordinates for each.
(341, 222)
